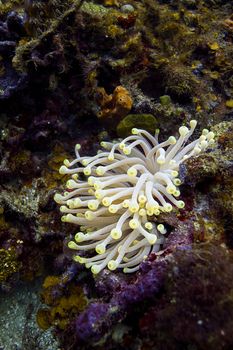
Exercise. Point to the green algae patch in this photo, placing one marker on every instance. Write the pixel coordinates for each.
(165, 100)
(94, 9)
(229, 103)
(144, 121)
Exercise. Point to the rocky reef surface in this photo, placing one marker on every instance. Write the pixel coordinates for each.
(85, 71)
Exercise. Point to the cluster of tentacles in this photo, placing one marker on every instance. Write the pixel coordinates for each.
(126, 185)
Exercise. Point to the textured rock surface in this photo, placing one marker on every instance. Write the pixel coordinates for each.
(54, 58)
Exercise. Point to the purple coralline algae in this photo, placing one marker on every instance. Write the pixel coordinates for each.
(123, 294)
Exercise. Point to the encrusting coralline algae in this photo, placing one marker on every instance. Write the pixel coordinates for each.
(135, 180)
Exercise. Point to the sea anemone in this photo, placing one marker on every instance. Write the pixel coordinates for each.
(135, 180)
